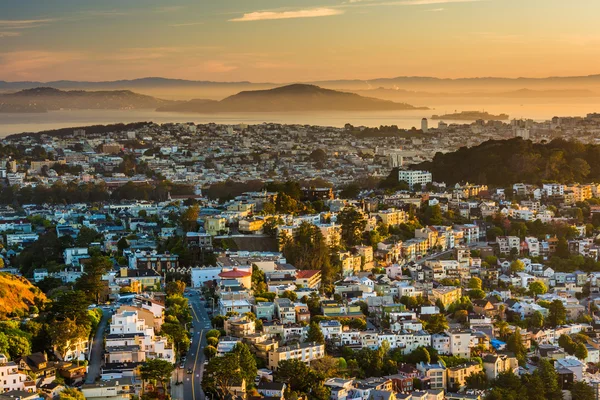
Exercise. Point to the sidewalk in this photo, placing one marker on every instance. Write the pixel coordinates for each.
(177, 390)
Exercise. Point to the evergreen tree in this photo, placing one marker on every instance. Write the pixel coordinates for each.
(314, 334)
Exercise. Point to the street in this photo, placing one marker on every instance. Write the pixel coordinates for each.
(95, 362)
(192, 383)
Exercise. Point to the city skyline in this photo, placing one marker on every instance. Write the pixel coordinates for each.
(276, 41)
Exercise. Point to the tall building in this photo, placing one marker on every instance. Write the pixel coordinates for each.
(424, 125)
(522, 133)
(415, 177)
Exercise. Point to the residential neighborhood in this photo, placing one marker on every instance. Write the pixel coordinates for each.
(132, 269)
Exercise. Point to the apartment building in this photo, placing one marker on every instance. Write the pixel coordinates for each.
(507, 243)
(305, 352)
(415, 177)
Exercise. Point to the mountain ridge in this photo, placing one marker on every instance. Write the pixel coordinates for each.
(289, 98)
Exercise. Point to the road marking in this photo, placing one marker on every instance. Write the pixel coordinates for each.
(195, 316)
(195, 362)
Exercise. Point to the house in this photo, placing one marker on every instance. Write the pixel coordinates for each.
(308, 278)
(38, 367)
(484, 307)
(11, 378)
(572, 364)
(264, 310)
(111, 389)
(271, 389)
(457, 375)
(285, 310)
(239, 326)
(434, 373)
(495, 364)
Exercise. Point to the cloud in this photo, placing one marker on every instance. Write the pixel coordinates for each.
(167, 9)
(428, 2)
(373, 3)
(186, 24)
(270, 15)
(31, 63)
(9, 34)
(23, 23)
(436, 10)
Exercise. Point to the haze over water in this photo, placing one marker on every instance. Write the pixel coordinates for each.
(17, 123)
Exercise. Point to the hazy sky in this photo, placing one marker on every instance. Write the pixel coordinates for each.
(296, 40)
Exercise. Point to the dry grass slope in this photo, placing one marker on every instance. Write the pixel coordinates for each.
(17, 294)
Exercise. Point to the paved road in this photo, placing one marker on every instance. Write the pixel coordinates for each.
(95, 362)
(192, 383)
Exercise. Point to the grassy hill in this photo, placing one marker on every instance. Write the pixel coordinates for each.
(17, 294)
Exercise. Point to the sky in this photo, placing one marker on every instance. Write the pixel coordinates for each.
(296, 40)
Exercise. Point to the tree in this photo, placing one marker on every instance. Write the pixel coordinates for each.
(436, 323)
(477, 381)
(517, 266)
(515, 345)
(246, 361)
(66, 333)
(318, 155)
(581, 351)
(537, 320)
(189, 218)
(537, 288)
(157, 370)
(308, 250)
(210, 351)
(221, 374)
(258, 280)
(567, 344)
(534, 386)
(557, 314)
(562, 248)
(475, 283)
(178, 335)
(314, 334)
(288, 294)
(91, 282)
(420, 354)
(476, 294)
(582, 391)
(175, 287)
(122, 244)
(71, 394)
(550, 380)
(18, 346)
(461, 316)
(87, 236)
(298, 376)
(353, 224)
(213, 333)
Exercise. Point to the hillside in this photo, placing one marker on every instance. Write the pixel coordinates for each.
(297, 97)
(17, 294)
(504, 162)
(44, 99)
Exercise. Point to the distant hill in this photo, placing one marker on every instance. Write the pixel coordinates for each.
(471, 116)
(42, 99)
(189, 89)
(17, 294)
(296, 97)
(505, 162)
(395, 94)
